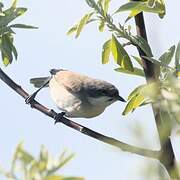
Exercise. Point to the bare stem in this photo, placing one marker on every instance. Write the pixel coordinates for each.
(167, 157)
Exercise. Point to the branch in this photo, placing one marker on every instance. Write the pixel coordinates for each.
(167, 157)
(51, 113)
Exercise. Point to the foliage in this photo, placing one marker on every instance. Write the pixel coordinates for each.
(153, 6)
(164, 90)
(113, 45)
(7, 48)
(25, 166)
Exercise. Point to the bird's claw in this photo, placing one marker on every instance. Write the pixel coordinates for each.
(58, 117)
(30, 98)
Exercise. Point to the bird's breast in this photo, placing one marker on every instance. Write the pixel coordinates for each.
(71, 103)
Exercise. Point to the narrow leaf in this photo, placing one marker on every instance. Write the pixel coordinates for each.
(82, 23)
(135, 92)
(14, 3)
(177, 58)
(120, 55)
(106, 6)
(142, 44)
(6, 30)
(135, 102)
(6, 50)
(106, 51)
(11, 14)
(138, 60)
(60, 164)
(72, 30)
(167, 56)
(129, 6)
(177, 55)
(155, 61)
(24, 26)
(6, 59)
(137, 6)
(101, 25)
(137, 71)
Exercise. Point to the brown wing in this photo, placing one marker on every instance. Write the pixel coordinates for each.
(73, 82)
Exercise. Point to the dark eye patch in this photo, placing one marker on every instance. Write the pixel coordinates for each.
(111, 99)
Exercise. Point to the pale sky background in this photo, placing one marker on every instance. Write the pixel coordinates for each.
(49, 47)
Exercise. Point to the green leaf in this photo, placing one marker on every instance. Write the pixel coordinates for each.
(73, 178)
(142, 95)
(22, 155)
(54, 177)
(106, 6)
(137, 71)
(58, 177)
(25, 157)
(120, 55)
(135, 102)
(6, 30)
(6, 59)
(177, 55)
(82, 23)
(14, 4)
(138, 60)
(142, 44)
(138, 6)
(161, 5)
(62, 161)
(150, 91)
(131, 6)
(6, 50)
(72, 30)
(101, 25)
(135, 92)
(92, 4)
(177, 59)
(11, 14)
(167, 56)
(24, 26)
(43, 159)
(106, 51)
(151, 2)
(155, 61)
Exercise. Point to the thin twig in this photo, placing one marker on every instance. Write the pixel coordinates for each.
(51, 113)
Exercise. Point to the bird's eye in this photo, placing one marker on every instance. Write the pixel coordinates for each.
(111, 99)
(103, 91)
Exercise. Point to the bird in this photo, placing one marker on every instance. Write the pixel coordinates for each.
(77, 95)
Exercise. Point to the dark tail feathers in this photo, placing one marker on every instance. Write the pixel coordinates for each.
(38, 82)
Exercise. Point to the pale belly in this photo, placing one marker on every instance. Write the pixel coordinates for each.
(71, 104)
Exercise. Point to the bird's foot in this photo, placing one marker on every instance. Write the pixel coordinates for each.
(59, 117)
(30, 98)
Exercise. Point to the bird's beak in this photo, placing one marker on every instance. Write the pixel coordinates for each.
(121, 99)
(53, 71)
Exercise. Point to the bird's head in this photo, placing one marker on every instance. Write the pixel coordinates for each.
(102, 93)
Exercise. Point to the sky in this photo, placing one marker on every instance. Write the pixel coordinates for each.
(49, 47)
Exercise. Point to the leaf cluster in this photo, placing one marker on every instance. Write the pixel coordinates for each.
(165, 91)
(114, 46)
(7, 48)
(25, 166)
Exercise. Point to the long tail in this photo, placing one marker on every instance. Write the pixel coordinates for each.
(38, 82)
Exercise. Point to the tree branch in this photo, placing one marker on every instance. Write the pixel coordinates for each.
(51, 113)
(167, 157)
